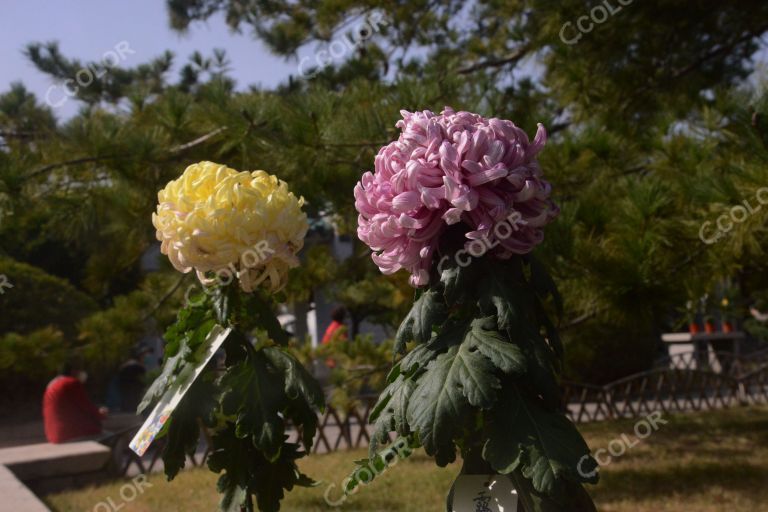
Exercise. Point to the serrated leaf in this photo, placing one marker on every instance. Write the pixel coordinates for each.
(189, 341)
(183, 429)
(416, 358)
(459, 281)
(452, 382)
(233, 496)
(248, 472)
(435, 409)
(543, 444)
(505, 355)
(511, 301)
(427, 311)
(298, 381)
(451, 333)
(165, 381)
(261, 315)
(251, 395)
(391, 412)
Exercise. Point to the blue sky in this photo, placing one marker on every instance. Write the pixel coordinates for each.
(86, 29)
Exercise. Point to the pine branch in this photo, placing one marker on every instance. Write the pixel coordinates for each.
(711, 54)
(174, 150)
(197, 141)
(17, 134)
(66, 163)
(510, 58)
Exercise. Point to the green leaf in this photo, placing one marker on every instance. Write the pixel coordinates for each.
(390, 413)
(459, 281)
(452, 382)
(233, 496)
(188, 347)
(165, 381)
(251, 395)
(248, 472)
(188, 319)
(298, 382)
(427, 311)
(183, 429)
(506, 356)
(222, 302)
(544, 444)
(416, 358)
(450, 334)
(543, 284)
(257, 312)
(512, 301)
(542, 372)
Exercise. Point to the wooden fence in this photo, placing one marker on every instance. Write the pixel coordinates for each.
(681, 383)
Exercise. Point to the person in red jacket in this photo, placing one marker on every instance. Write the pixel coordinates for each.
(68, 413)
(336, 329)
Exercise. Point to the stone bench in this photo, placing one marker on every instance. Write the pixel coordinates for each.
(16, 496)
(45, 467)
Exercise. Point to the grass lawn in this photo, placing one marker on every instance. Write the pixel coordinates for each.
(704, 462)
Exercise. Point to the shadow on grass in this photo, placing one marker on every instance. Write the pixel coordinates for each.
(691, 479)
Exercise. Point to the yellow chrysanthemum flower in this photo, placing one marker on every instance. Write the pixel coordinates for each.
(244, 225)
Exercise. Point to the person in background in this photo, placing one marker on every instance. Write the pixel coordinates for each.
(336, 329)
(130, 380)
(68, 413)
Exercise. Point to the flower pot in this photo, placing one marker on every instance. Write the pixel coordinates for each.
(479, 488)
(727, 327)
(694, 328)
(709, 327)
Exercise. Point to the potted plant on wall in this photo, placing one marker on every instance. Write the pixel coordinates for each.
(726, 315)
(690, 313)
(709, 320)
(709, 324)
(459, 202)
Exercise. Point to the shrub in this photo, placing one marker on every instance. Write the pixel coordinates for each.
(39, 300)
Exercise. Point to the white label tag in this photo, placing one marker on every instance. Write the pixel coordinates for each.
(171, 399)
(484, 493)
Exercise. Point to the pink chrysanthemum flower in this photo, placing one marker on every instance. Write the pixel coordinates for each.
(450, 168)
